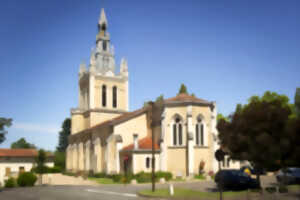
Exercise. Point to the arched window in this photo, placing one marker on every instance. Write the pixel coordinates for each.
(177, 132)
(103, 95)
(114, 97)
(147, 162)
(200, 132)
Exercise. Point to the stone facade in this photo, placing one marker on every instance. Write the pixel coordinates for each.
(107, 138)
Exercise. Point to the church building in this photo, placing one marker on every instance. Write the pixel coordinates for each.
(107, 137)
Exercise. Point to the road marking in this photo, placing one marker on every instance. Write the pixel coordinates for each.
(109, 192)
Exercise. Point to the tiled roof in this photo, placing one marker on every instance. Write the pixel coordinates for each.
(186, 98)
(18, 153)
(144, 144)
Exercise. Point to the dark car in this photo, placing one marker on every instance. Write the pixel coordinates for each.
(234, 180)
(292, 176)
(253, 171)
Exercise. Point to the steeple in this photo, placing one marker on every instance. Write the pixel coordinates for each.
(102, 19)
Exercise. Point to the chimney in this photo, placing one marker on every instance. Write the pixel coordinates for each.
(135, 141)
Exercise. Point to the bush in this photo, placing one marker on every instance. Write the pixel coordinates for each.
(68, 173)
(10, 183)
(271, 189)
(55, 169)
(283, 189)
(160, 174)
(128, 177)
(143, 177)
(117, 177)
(26, 179)
(99, 175)
(200, 176)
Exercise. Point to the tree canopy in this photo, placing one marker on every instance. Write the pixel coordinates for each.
(4, 122)
(41, 160)
(22, 144)
(297, 102)
(221, 116)
(158, 99)
(262, 132)
(63, 135)
(183, 89)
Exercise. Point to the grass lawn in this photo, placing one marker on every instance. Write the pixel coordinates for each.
(102, 180)
(179, 192)
(293, 187)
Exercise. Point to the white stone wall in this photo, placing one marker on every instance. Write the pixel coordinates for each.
(14, 168)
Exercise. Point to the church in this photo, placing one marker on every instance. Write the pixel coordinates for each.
(107, 137)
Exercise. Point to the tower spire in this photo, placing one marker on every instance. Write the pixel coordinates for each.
(102, 20)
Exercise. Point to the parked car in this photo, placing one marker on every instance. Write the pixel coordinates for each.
(253, 171)
(234, 179)
(292, 175)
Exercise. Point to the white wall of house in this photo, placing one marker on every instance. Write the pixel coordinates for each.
(15, 167)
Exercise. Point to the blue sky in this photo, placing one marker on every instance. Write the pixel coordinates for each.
(224, 51)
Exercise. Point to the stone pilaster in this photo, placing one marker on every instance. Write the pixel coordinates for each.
(80, 157)
(97, 155)
(75, 158)
(163, 146)
(190, 141)
(88, 155)
(119, 146)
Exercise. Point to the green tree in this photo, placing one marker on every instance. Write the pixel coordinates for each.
(63, 135)
(158, 99)
(22, 144)
(41, 160)
(256, 132)
(221, 116)
(183, 89)
(297, 102)
(4, 122)
(60, 159)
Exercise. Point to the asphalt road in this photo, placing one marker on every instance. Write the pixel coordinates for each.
(99, 192)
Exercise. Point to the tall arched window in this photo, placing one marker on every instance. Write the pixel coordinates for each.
(177, 132)
(114, 97)
(147, 162)
(200, 132)
(103, 95)
(104, 45)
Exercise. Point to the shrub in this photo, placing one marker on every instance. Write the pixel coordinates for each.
(10, 183)
(200, 176)
(26, 179)
(270, 189)
(68, 173)
(116, 177)
(283, 189)
(143, 177)
(128, 177)
(55, 169)
(99, 175)
(160, 174)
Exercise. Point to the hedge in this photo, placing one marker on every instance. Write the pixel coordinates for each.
(10, 183)
(26, 179)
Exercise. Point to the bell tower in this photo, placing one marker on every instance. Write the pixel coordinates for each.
(103, 92)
